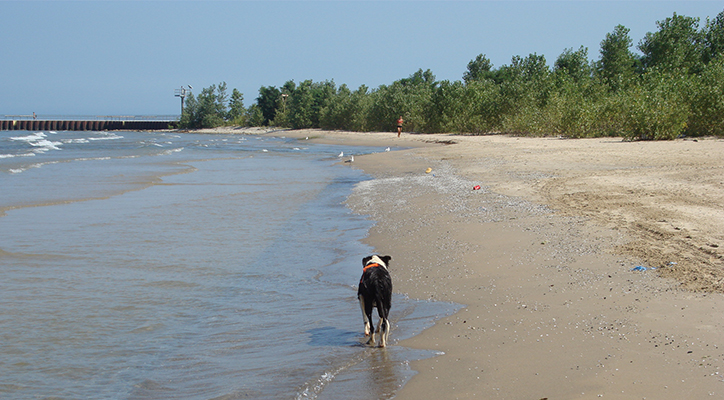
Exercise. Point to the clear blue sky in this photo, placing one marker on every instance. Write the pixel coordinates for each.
(126, 58)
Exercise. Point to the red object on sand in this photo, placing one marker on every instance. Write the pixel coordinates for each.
(476, 187)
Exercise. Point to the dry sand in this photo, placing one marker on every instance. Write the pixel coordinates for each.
(542, 256)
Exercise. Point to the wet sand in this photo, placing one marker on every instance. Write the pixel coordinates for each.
(542, 257)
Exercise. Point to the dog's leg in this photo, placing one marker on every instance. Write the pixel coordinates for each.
(368, 314)
(385, 328)
(364, 315)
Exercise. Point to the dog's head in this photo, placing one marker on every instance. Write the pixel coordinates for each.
(381, 260)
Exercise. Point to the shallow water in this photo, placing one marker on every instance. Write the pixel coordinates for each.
(159, 265)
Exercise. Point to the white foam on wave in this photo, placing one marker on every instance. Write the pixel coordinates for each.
(110, 136)
(39, 141)
(30, 138)
(45, 145)
(93, 159)
(38, 165)
(169, 151)
(314, 388)
(79, 140)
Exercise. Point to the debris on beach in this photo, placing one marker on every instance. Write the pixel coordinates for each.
(476, 187)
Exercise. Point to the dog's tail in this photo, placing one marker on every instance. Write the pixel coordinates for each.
(383, 300)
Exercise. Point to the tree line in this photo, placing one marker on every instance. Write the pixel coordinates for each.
(674, 87)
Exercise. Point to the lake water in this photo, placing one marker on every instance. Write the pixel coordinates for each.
(142, 265)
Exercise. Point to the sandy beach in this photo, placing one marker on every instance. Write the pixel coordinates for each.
(588, 268)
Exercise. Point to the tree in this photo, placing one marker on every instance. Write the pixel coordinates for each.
(714, 38)
(707, 101)
(573, 65)
(268, 102)
(254, 116)
(189, 113)
(208, 110)
(307, 102)
(616, 67)
(406, 97)
(478, 69)
(211, 106)
(237, 112)
(676, 47)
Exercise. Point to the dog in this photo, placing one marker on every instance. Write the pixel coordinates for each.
(375, 290)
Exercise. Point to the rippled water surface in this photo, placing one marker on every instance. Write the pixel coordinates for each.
(165, 265)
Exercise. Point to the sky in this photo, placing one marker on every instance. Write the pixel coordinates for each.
(127, 57)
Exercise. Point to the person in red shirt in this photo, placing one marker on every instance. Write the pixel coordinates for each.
(399, 126)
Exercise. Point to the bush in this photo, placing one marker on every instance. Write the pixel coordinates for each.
(707, 101)
(655, 108)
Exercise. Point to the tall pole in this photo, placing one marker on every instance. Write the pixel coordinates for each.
(182, 94)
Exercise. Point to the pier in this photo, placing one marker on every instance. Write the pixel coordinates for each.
(87, 123)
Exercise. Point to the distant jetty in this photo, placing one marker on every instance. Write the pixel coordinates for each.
(87, 123)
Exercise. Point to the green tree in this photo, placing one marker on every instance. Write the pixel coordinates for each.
(307, 102)
(208, 110)
(268, 102)
(254, 116)
(478, 69)
(281, 118)
(656, 108)
(408, 97)
(676, 47)
(456, 107)
(189, 113)
(300, 106)
(617, 64)
(706, 100)
(237, 112)
(573, 65)
(211, 106)
(714, 38)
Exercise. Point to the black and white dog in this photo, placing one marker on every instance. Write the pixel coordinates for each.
(375, 290)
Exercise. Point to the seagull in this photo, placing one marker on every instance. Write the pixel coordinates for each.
(341, 154)
(351, 159)
(387, 149)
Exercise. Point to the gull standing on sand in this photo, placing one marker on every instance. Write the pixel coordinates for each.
(341, 154)
(387, 149)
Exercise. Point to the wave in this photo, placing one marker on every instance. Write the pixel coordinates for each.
(39, 165)
(171, 151)
(39, 141)
(110, 136)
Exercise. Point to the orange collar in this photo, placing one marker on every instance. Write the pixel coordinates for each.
(368, 266)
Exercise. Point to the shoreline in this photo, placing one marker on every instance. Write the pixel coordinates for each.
(542, 257)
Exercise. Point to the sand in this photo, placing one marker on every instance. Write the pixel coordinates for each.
(542, 258)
